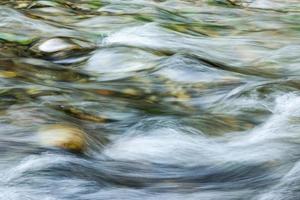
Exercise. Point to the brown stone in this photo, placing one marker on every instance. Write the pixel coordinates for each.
(63, 136)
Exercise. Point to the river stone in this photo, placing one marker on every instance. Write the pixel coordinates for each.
(55, 45)
(63, 136)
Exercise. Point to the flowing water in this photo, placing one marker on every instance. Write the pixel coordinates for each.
(179, 99)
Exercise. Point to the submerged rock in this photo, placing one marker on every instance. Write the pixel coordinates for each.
(56, 44)
(63, 136)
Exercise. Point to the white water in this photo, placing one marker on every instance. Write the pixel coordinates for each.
(178, 161)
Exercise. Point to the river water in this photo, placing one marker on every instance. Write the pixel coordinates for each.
(180, 99)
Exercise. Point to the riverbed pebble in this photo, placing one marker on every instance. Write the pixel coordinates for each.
(64, 136)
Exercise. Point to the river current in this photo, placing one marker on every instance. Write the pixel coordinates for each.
(179, 99)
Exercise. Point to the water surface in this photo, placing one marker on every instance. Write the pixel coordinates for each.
(180, 99)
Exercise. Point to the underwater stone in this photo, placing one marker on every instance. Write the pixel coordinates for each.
(63, 136)
(55, 44)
